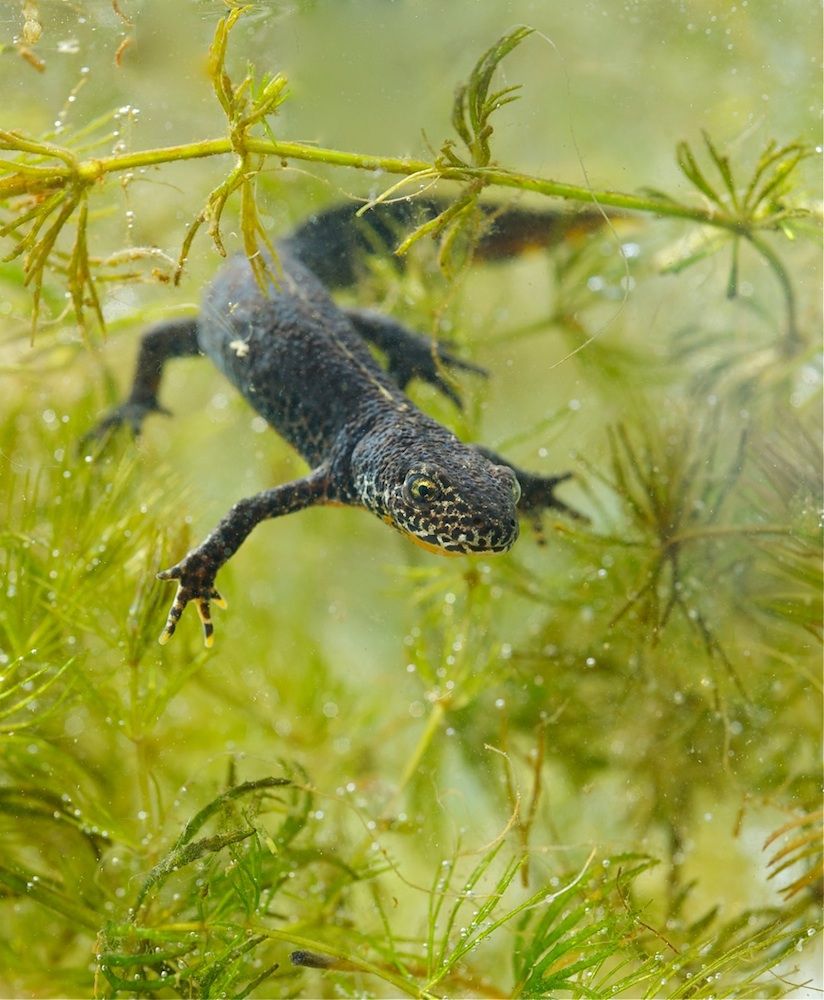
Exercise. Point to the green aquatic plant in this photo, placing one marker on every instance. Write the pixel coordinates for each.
(47, 185)
(588, 769)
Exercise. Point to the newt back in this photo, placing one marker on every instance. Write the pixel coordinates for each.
(293, 355)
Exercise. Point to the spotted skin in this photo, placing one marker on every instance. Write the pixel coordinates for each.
(302, 363)
(431, 486)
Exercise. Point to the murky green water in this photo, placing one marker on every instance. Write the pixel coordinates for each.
(465, 740)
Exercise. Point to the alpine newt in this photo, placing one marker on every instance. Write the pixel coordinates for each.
(302, 363)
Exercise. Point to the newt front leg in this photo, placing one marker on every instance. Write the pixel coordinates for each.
(196, 572)
(537, 493)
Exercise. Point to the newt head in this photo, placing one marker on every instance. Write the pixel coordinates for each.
(449, 498)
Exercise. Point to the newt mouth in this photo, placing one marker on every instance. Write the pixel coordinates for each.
(439, 550)
(431, 544)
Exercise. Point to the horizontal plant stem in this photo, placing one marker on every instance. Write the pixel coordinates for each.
(91, 170)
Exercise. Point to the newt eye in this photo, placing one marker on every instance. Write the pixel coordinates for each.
(422, 488)
(516, 490)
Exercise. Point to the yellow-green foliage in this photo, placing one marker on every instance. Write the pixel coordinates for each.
(589, 768)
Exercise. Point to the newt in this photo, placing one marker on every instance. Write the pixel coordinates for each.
(303, 364)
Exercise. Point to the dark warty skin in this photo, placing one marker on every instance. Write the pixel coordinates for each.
(302, 363)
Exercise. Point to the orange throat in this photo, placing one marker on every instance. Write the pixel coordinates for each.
(432, 548)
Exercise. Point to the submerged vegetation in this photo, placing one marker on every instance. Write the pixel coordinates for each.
(590, 768)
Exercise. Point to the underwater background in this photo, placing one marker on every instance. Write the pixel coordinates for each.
(587, 768)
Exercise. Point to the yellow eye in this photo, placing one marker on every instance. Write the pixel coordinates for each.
(422, 488)
(516, 490)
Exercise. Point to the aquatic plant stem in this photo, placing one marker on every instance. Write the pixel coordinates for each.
(433, 724)
(86, 172)
(137, 736)
(793, 341)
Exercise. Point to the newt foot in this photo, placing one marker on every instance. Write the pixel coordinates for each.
(538, 495)
(195, 583)
(129, 414)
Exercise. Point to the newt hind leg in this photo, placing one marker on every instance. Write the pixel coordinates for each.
(409, 354)
(159, 344)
